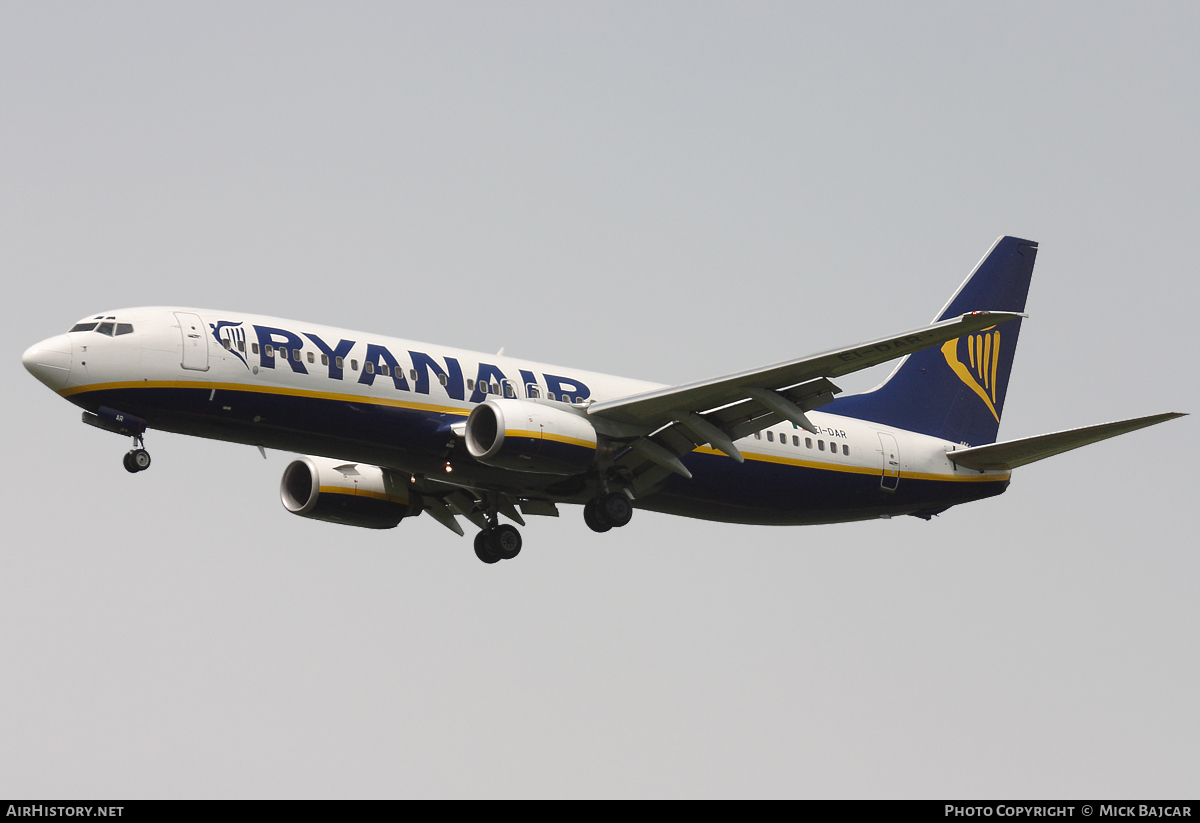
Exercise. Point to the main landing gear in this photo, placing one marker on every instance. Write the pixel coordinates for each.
(607, 511)
(497, 543)
(503, 542)
(137, 459)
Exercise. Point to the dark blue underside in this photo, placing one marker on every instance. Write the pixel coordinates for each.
(420, 441)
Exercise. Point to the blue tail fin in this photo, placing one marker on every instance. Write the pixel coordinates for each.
(956, 391)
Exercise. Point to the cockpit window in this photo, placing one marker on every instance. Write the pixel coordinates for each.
(107, 328)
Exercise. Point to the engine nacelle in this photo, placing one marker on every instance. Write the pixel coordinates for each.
(530, 437)
(353, 494)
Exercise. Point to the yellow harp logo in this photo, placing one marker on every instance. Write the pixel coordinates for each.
(983, 354)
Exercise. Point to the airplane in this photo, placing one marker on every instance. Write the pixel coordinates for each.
(389, 429)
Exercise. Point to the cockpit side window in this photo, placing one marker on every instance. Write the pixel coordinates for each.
(124, 328)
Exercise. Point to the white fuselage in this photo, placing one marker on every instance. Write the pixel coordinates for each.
(224, 375)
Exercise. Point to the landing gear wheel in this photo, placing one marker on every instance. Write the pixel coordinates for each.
(136, 460)
(615, 509)
(505, 541)
(483, 550)
(592, 517)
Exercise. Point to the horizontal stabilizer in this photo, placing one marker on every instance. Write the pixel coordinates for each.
(1013, 453)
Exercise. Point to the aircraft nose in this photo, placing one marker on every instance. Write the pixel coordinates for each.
(50, 361)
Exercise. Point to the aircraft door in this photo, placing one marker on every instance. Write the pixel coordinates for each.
(195, 341)
(891, 462)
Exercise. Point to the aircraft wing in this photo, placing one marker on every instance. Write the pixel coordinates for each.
(656, 406)
(1013, 453)
(664, 424)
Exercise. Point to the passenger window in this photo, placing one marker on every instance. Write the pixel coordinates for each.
(443, 379)
(796, 440)
(758, 436)
(384, 369)
(254, 348)
(325, 360)
(269, 350)
(296, 355)
(340, 362)
(532, 390)
(369, 367)
(495, 388)
(353, 365)
(770, 437)
(470, 384)
(127, 328)
(820, 445)
(508, 390)
(310, 357)
(808, 442)
(227, 343)
(242, 346)
(845, 450)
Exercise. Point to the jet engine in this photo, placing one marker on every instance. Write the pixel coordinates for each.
(353, 494)
(530, 437)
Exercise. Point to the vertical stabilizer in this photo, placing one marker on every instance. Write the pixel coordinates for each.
(956, 391)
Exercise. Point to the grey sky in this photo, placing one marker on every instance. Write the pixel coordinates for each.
(664, 191)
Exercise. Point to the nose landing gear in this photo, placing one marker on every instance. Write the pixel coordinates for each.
(137, 459)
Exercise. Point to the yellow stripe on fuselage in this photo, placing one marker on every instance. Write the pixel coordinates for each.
(836, 467)
(407, 404)
(276, 390)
